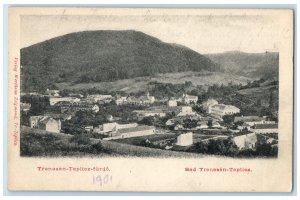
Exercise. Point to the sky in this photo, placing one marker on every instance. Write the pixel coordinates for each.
(204, 34)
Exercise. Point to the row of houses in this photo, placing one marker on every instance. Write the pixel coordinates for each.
(75, 107)
(147, 100)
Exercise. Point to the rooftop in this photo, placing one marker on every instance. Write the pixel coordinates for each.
(248, 118)
(265, 126)
(135, 129)
(46, 120)
(223, 106)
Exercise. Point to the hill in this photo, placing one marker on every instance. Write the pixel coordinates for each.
(252, 65)
(97, 56)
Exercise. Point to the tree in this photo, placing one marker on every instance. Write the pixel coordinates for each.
(190, 123)
(201, 147)
(81, 139)
(148, 121)
(228, 119)
(209, 123)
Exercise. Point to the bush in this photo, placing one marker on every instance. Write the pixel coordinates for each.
(49, 145)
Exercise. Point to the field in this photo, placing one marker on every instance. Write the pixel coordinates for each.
(128, 150)
(38, 143)
(141, 83)
(162, 139)
(258, 91)
(156, 138)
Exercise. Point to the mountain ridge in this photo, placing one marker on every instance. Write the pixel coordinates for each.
(254, 65)
(95, 56)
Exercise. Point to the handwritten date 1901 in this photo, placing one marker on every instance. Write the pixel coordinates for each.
(102, 179)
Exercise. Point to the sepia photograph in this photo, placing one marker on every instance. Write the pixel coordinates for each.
(141, 93)
(193, 84)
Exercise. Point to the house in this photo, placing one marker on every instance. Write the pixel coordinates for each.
(55, 100)
(265, 128)
(185, 139)
(221, 110)
(52, 93)
(185, 111)
(247, 141)
(189, 99)
(131, 132)
(121, 100)
(140, 114)
(25, 107)
(207, 104)
(72, 108)
(45, 123)
(94, 98)
(172, 103)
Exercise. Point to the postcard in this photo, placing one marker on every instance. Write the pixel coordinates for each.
(150, 100)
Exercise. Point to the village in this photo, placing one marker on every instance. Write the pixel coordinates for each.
(175, 124)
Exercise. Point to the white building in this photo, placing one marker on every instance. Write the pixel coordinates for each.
(221, 110)
(247, 141)
(172, 103)
(55, 100)
(185, 139)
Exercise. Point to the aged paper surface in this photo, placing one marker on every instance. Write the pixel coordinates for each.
(100, 160)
